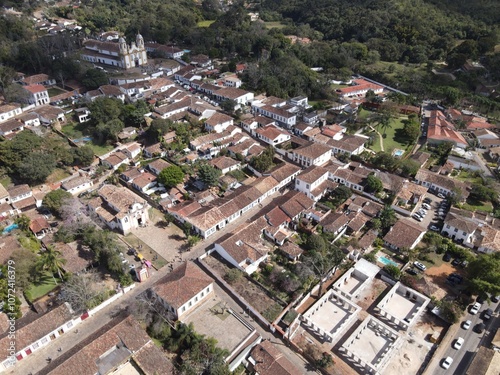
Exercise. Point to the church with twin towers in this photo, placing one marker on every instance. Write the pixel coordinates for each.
(121, 54)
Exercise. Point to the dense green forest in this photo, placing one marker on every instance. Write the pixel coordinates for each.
(399, 42)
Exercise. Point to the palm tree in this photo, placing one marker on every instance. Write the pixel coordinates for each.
(51, 260)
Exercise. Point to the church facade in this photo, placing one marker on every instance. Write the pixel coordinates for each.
(118, 54)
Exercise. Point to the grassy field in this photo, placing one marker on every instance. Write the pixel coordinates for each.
(100, 149)
(46, 285)
(272, 25)
(205, 23)
(467, 176)
(478, 206)
(5, 181)
(73, 130)
(57, 175)
(393, 139)
(54, 91)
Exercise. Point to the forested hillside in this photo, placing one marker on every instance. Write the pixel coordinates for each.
(410, 30)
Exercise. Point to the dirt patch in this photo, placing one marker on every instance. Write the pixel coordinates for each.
(437, 277)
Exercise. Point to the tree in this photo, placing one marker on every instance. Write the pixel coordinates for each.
(322, 263)
(26, 268)
(52, 260)
(55, 199)
(233, 275)
(36, 167)
(83, 156)
(82, 290)
(409, 167)
(264, 161)
(411, 129)
(110, 129)
(387, 218)
(484, 274)
(23, 222)
(373, 184)
(393, 271)
(105, 109)
(171, 176)
(158, 128)
(316, 243)
(481, 193)
(93, 78)
(209, 174)
(341, 193)
(228, 105)
(386, 161)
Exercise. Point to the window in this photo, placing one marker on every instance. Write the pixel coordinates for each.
(456, 230)
(464, 233)
(190, 303)
(307, 186)
(183, 308)
(447, 226)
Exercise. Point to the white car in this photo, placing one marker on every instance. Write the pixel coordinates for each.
(417, 217)
(420, 266)
(426, 206)
(466, 325)
(475, 308)
(458, 344)
(447, 362)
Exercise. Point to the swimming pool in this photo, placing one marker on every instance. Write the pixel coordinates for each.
(84, 139)
(398, 153)
(10, 228)
(386, 261)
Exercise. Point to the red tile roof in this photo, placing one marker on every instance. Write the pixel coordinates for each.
(182, 284)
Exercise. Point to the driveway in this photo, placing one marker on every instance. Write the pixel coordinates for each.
(480, 161)
(431, 215)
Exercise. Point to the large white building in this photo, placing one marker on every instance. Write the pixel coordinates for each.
(119, 208)
(116, 54)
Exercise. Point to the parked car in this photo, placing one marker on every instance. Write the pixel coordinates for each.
(441, 196)
(458, 344)
(456, 262)
(426, 206)
(417, 217)
(479, 328)
(446, 256)
(447, 362)
(475, 308)
(412, 271)
(466, 324)
(434, 228)
(488, 313)
(420, 266)
(422, 212)
(428, 200)
(464, 264)
(495, 299)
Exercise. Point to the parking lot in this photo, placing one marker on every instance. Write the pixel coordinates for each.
(432, 218)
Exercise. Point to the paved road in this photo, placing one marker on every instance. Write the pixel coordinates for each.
(463, 357)
(482, 164)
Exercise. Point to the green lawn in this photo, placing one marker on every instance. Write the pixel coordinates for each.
(467, 176)
(478, 206)
(100, 149)
(272, 25)
(363, 114)
(54, 91)
(5, 181)
(205, 23)
(45, 286)
(73, 130)
(57, 175)
(392, 140)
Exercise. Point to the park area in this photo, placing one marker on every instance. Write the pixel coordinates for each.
(390, 138)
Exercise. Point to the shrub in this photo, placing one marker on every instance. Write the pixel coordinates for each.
(233, 275)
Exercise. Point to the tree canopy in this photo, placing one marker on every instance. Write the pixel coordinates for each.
(209, 174)
(55, 199)
(373, 184)
(171, 176)
(484, 274)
